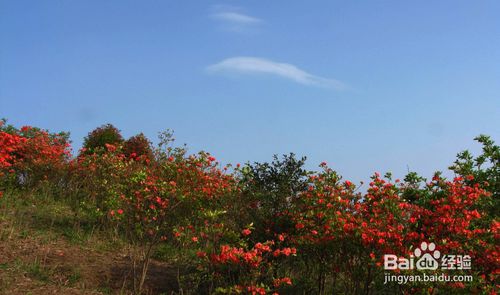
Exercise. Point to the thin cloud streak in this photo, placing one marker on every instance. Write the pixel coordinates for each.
(236, 18)
(255, 65)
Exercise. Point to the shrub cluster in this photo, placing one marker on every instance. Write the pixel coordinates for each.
(264, 228)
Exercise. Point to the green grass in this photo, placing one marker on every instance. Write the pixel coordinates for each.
(27, 216)
(36, 271)
(33, 227)
(74, 277)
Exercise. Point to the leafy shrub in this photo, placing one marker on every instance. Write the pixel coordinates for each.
(267, 227)
(269, 191)
(138, 146)
(32, 156)
(97, 180)
(99, 137)
(485, 171)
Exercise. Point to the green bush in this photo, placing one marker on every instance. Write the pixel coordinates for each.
(99, 137)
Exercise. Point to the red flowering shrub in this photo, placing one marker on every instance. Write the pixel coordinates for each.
(98, 180)
(345, 234)
(138, 146)
(326, 221)
(483, 170)
(148, 201)
(451, 213)
(251, 267)
(9, 146)
(224, 257)
(31, 155)
(267, 228)
(42, 156)
(99, 137)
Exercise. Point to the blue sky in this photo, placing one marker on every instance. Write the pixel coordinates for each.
(365, 86)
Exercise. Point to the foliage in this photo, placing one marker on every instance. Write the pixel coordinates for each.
(269, 191)
(30, 156)
(99, 137)
(485, 171)
(264, 227)
(138, 146)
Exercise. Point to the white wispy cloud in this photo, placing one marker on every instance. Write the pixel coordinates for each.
(231, 18)
(255, 65)
(236, 18)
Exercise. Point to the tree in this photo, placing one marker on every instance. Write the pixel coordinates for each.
(99, 137)
(138, 146)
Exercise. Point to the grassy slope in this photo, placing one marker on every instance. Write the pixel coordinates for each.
(43, 252)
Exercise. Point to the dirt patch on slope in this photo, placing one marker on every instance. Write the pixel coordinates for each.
(29, 265)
